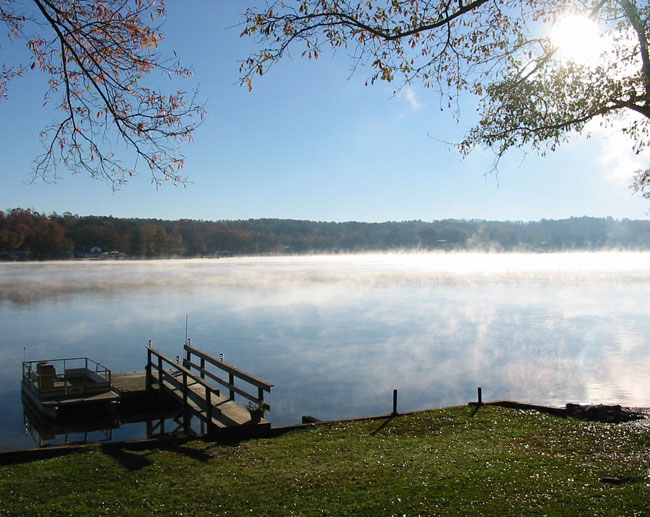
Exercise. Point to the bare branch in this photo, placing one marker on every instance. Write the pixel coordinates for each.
(97, 57)
(495, 49)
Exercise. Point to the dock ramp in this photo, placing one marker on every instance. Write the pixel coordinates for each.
(196, 385)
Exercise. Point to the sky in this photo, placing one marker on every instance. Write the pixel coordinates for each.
(310, 141)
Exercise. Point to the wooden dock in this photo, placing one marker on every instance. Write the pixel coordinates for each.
(192, 384)
(166, 395)
(79, 383)
(129, 384)
(132, 386)
(223, 411)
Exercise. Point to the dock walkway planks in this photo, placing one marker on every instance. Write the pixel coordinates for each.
(225, 412)
(129, 383)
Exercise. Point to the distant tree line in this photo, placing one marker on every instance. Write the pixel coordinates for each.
(27, 234)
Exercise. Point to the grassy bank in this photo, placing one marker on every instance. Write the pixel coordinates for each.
(499, 461)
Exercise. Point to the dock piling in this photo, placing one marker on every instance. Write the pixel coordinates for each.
(188, 357)
(186, 409)
(148, 369)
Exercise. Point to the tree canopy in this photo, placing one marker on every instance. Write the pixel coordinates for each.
(98, 57)
(25, 234)
(502, 51)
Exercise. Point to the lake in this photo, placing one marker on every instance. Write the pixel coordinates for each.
(336, 334)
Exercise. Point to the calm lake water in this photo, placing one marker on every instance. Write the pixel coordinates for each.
(336, 334)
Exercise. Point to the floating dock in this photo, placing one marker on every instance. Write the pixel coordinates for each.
(56, 384)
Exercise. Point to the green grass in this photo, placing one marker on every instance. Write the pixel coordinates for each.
(447, 462)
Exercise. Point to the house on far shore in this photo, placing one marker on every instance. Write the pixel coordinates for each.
(114, 255)
(95, 252)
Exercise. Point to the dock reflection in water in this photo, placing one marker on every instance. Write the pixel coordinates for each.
(98, 425)
(80, 427)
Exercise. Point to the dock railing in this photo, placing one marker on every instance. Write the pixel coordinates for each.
(205, 360)
(73, 375)
(181, 378)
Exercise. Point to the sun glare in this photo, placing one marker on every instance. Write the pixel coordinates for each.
(578, 39)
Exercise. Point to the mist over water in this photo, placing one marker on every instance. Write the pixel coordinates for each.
(336, 334)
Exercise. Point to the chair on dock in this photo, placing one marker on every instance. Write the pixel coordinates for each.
(46, 374)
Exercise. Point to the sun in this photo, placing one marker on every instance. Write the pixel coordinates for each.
(578, 39)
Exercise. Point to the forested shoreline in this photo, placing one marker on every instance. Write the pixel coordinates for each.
(26, 234)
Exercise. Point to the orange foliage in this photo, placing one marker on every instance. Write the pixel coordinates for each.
(97, 54)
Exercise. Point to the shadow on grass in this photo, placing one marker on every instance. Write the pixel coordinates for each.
(128, 459)
(135, 457)
(382, 426)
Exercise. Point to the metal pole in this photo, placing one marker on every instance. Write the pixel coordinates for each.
(480, 396)
(394, 403)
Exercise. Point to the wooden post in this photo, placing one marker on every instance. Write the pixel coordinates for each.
(188, 354)
(160, 389)
(480, 396)
(202, 367)
(394, 403)
(231, 381)
(148, 368)
(160, 370)
(208, 407)
(186, 411)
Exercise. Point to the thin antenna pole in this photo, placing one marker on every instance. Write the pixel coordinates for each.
(186, 317)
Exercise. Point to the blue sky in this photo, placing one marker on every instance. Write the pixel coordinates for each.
(312, 142)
